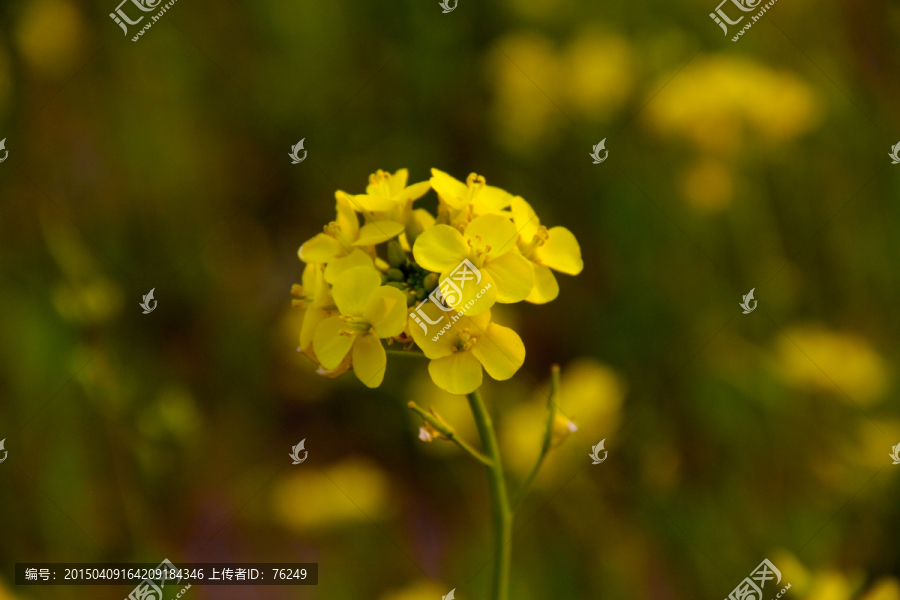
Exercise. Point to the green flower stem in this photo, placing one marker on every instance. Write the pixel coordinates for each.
(406, 353)
(499, 502)
(449, 433)
(548, 438)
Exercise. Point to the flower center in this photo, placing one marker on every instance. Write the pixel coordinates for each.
(355, 325)
(464, 340)
(383, 180)
(540, 238)
(334, 230)
(480, 250)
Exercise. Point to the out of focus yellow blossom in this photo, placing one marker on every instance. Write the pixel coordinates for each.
(555, 248)
(419, 590)
(591, 396)
(351, 491)
(826, 358)
(709, 184)
(524, 115)
(600, 73)
(828, 585)
(719, 103)
(468, 343)
(792, 571)
(369, 311)
(51, 37)
(885, 588)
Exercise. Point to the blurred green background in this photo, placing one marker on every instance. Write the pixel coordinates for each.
(163, 164)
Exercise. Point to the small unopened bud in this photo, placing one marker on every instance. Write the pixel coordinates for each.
(396, 255)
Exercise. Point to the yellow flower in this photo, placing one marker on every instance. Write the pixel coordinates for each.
(464, 345)
(314, 297)
(369, 311)
(340, 244)
(461, 202)
(555, 249)
(489, 244)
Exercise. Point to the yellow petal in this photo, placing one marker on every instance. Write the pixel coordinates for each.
(545, 288)
(377, 232)
(491, 199)
(513, 276)
(320, 249)
(526, 221)
(501, 352)
(561, 252)
(311, 319)
(459, 373)
(471, 297)
(352, 289)
(398, 181)
(413, 192)
(425, 333)
(386, 311)
(309, 280)
(451, 190)
(330, 346)
(441, 247)
(346, 215)
(369, 359)
(357, 258)
(373, 202)
(492, 230)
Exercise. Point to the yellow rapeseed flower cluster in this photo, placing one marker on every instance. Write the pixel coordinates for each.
(384, 270)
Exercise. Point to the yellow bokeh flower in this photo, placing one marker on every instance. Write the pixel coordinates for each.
(885, 588)
(463, 345)
(488, 243)
(826, 359)
(555, 249)
(368, 311)
(461, 202)
(311, 500)
(717, 101)
(341, 244)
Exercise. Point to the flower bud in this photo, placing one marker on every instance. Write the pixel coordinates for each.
(396, 255)
(395, 275)
(431, 282)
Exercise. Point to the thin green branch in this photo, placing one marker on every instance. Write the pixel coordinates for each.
(405, 353)
(548, 438)
(448, 432)
(499, 502)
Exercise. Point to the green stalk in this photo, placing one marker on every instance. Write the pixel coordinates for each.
(499, 501)
(548, 438)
